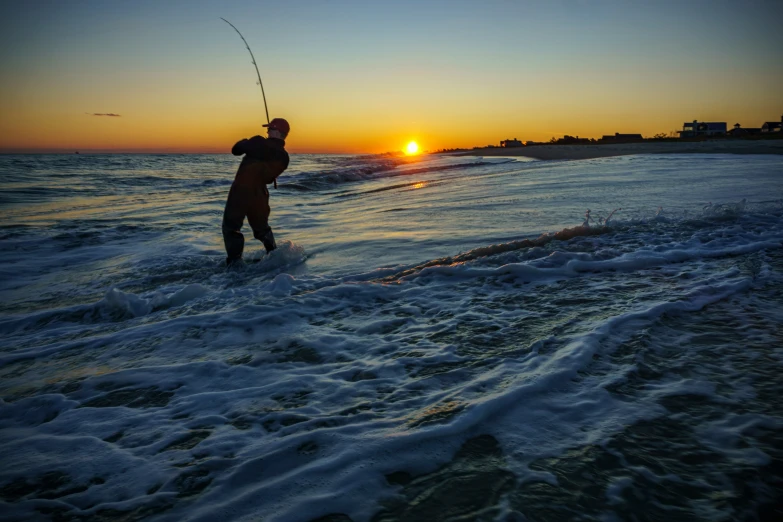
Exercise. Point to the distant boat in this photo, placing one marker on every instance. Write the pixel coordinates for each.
(77, 152)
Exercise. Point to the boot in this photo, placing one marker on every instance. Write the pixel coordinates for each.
(269, 240)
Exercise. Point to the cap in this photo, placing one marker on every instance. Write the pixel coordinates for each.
(279, 124)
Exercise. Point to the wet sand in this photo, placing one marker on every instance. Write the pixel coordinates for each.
(572, 152)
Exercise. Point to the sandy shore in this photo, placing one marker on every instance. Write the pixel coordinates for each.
(572, 152)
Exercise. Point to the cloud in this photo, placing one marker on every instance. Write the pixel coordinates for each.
(103, 114)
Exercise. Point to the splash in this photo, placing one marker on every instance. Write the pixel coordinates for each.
(601, 221)
(724, 210)
(287, 254)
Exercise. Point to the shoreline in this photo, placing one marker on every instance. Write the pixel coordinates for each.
(590, 151)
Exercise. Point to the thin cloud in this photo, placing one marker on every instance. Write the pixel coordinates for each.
(103, 114)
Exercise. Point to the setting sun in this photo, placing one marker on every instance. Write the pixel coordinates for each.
(412, 148)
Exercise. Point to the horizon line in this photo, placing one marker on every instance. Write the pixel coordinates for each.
(158, 151)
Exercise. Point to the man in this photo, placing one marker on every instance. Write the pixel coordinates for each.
(265, 159)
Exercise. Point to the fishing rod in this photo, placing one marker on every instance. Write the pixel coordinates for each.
(253, 59)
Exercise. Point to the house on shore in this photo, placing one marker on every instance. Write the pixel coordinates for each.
(738, 131)
(698, 129)
(572, 140)
(621, 138)
(511, 143)
(772, 126)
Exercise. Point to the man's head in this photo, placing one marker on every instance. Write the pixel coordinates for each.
(278, 128)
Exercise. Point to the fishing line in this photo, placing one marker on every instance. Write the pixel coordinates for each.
(253, 59)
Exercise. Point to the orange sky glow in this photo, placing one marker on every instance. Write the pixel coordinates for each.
(353, 79)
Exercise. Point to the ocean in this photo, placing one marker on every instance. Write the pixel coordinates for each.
(436, 338)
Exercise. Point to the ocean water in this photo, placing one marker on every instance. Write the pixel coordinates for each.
(436, 338)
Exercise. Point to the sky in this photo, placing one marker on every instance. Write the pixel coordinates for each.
(367, 76)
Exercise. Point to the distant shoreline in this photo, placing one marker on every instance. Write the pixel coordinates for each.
(541, 152)
(589, 151)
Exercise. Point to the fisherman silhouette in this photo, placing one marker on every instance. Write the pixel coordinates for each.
(265, 159)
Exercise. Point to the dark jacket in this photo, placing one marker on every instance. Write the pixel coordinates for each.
(265, 159)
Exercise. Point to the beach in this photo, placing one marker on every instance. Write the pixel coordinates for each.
(435, 338)
(574, 152)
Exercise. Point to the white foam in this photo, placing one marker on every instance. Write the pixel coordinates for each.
(305, 382)
(125, 303)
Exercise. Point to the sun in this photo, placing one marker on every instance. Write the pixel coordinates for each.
(412, 148)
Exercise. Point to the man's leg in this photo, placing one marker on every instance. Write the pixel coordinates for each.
(267, 238)
(258, 219)
(233, 216)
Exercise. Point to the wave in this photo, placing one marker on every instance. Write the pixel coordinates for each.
(492, 250)
(170, 286)
(363, 170)
(734, 243)
(38, 194)
(343, 409)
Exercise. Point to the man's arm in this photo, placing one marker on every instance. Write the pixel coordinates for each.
(239, 148)
(255, 147)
